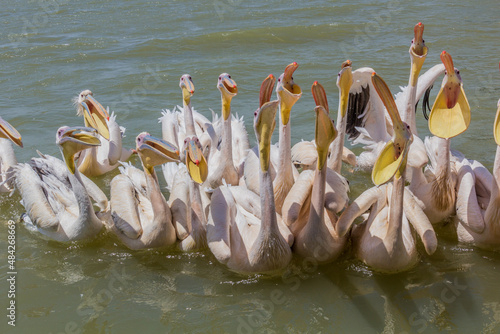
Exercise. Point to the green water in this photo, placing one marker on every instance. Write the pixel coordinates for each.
(131, 55)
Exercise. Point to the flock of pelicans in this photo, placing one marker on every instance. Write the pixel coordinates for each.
(251, 206)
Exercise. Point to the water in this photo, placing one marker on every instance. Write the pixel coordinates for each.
(131, 55)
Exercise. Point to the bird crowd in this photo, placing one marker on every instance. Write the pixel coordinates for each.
(255, 207)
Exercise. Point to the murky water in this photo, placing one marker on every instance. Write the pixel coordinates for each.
(131, 55)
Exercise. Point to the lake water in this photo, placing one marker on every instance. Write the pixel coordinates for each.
(131, 55)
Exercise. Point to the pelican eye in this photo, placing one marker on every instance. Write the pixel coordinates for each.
(458, 72)
(423, 41)
(229, 76)
(190, 78)
(220, 78)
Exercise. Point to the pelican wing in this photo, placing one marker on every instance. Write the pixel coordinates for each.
(180, 202)
(125, 206)
(365, 109)
(336, 190)
(468, 210)
(359, 206)
(46, 191)
(420, 222)
(297, 202)
(222, 211)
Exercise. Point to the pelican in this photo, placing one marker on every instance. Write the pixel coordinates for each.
(385, 241)
(368, 123)
(306, 209)
(450, 116)
(56, 196)
(8, 135)
(180, 122)
(187, 202)
(477, 219)
(243, 235)
(285, 172)
(304, 153)
(101, 159)
(141, 215)
(221, 165)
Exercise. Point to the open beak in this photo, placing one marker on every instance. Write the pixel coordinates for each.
(95, 116)
(325, 134)
(264, 124)
(496, 125)
(9, 132)
(228, 89)
(450, 114)
(266, 89)
(392, 159)
(154, 152)
(75, 139)
(195, 161)
(344, 82)
(319, 95)
(418, 52)
(288, 92)
(187, 87)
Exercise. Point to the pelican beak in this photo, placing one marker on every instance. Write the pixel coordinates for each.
(72, 140)
(264, 124)
(392, 159)
(496, 126)
(418, 52)
(154, 151)
(288, 92)
(319, 95)
(187, 86)
(344, 83)
(266, 89)
(9, 132)
(228, 89)
(195, 160)
(450, 114)
(95, 116)
(325, 134)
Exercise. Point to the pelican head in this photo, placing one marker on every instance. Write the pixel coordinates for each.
(325, 134)
(195, 160)
(266, 89)
(418, 52)
(392, 158)
(450, 113)
(72, 140)
(228, 90)
(344, 83)
(7, 131)
(93, 112)
(288, 92)
(154, 151)
(187, 86)
(264, 124)
(319, 95)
